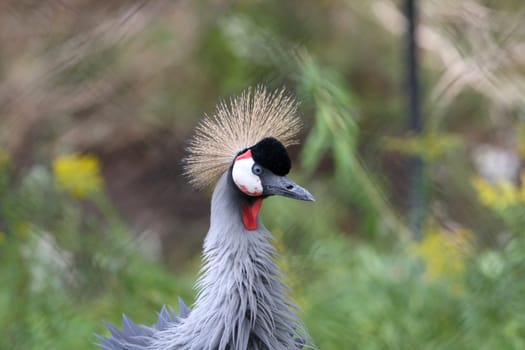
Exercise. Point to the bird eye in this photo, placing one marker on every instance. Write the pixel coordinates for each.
(257, 169)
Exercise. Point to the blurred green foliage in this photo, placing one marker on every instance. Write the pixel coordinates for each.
(69, 259)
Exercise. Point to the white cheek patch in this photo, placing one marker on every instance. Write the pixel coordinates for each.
(244, 178)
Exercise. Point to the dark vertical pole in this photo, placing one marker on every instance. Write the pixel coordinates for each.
(415, 120)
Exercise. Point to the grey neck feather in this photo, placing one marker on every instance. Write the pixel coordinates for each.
(242, 303)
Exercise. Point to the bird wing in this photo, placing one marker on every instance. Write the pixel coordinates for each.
(137, 337)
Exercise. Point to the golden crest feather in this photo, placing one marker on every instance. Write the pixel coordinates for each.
(237, 125)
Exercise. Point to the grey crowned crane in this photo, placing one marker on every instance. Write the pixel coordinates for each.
(242, 303)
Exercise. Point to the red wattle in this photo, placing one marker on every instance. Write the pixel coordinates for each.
(249, 214)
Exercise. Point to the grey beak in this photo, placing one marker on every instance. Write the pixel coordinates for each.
(283, 186)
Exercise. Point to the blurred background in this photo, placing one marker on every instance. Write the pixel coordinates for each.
(98, 100)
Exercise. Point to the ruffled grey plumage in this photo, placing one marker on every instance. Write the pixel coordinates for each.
(138, 337)
(242, 302)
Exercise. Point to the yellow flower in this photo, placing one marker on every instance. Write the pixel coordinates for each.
(78, 175)
(486, 192)
(443, 253)
(509, 194)
(501, 195)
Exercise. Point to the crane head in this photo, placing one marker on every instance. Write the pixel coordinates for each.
(261, 170)
(254, 121)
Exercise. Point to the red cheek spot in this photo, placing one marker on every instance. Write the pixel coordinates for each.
(245, 155)
(249, 214)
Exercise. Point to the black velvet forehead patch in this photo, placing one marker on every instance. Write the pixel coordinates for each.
(271, 154)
